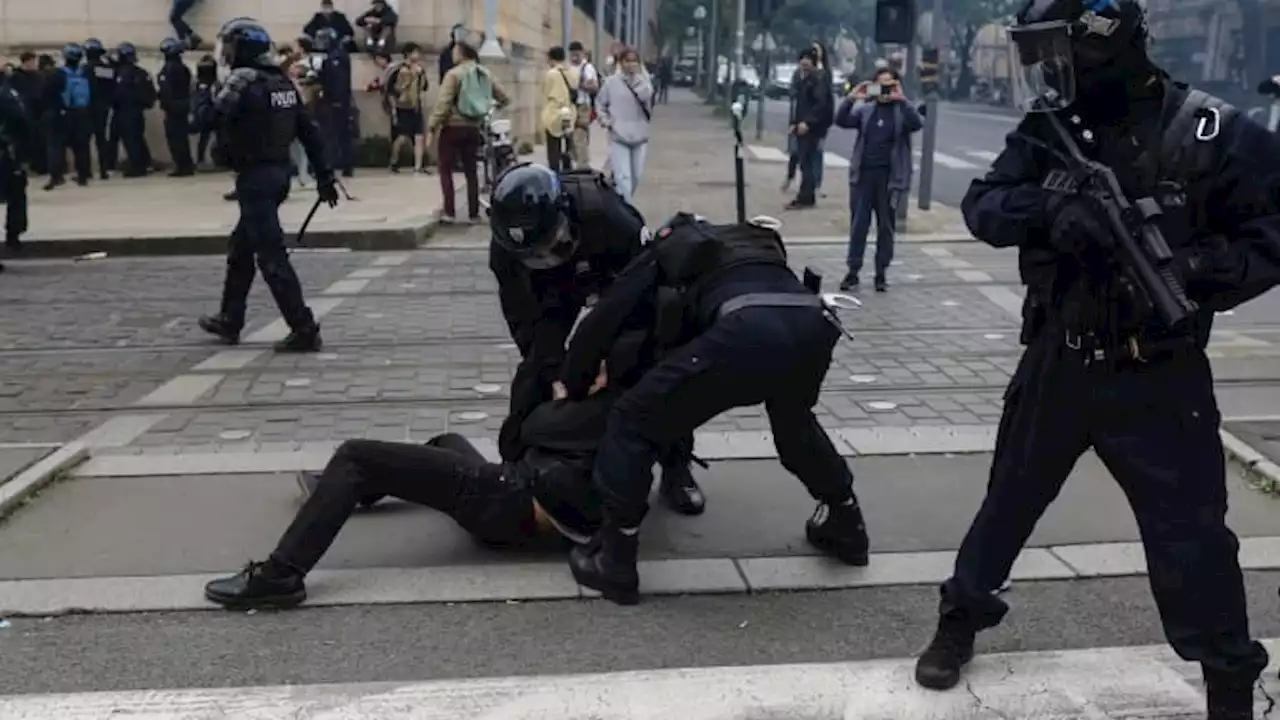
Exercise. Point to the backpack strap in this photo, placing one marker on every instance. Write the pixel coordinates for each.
(1188, 148)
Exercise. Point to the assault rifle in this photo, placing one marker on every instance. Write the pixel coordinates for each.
(1135, 238)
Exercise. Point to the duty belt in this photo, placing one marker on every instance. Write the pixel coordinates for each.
(735, 304)
(1131, 349)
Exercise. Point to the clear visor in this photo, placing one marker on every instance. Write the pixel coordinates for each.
(1044, 78)
(551, 250)
(220, 50)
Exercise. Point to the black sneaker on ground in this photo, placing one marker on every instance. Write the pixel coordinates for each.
(938, 668)
(259, 586)
(882, 285)
(680, 491)
(301, 341)
(218, 326)
(839, 531)
(850, 282)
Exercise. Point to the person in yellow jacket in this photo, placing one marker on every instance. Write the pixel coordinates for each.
(559, 86)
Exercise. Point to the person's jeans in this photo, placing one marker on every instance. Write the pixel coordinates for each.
(818, 163)
(628, 165)
(872, 196)
(180, 26)
(459, 144)
(806, 147)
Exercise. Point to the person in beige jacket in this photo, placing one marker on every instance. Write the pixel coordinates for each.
(559, 86)
(459, 134)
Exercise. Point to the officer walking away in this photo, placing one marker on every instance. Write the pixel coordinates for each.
(15, 146)
(67, 98)
(335, 99)
(135, 94)
(1101, 370)
(174, 85)
(206, 90)
(102, 76)
(745, 331)
(260, 113)
(559, 241)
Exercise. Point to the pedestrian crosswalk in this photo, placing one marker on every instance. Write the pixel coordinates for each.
(973, 159)
(1095, 683)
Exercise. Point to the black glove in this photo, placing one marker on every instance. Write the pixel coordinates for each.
(1073, 223)
(328, 191)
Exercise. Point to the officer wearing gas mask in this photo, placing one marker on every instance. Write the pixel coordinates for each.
(1102, 369)
(558, 241)
(15, 130)
(741, 330)
(174, 85)
(102, 75)
(259, 114)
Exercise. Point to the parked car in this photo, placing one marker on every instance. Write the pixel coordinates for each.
(684, 74)
(780, 84)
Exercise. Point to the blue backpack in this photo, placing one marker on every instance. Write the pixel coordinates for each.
(75, 95)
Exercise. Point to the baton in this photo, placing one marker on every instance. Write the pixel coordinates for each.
(302, 231)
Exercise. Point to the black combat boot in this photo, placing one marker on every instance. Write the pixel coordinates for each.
(938, 668)
(680, 491)
(608, 564)
(882, 283)
(259, 586)
(839, 531)
(218, 326)
(301, 341)
(1229, 698)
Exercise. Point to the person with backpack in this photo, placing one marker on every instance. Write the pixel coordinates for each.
(626, 111)
(68, 97)
(467, 94)
(135, 94)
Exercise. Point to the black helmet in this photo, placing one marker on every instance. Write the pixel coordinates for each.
(245, 43)
(325, 39)
(172, 47)
(127, 52)
(1057, 42)
(93, 47)
(527, 215)
(72, 54)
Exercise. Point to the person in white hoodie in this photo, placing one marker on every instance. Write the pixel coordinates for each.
(625, 107)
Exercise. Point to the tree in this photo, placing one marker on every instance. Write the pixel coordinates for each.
(966, 18)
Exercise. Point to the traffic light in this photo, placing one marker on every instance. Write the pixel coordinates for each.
(929, 70)
(895, 22)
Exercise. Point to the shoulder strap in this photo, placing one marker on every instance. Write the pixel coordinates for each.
(1187, 146)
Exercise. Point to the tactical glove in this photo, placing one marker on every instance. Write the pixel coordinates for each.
(328, 191)
(1073, 224)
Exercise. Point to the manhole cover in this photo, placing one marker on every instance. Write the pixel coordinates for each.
(719, 184)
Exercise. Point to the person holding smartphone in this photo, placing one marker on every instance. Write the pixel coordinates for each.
(879, 168)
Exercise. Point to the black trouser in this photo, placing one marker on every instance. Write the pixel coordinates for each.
(772, 355)
(447, 474)
(103, 142)
(177, 132)
(335, 120)
(202, 145)
(176, 13)
(130, 129)
(1155, 427)
(806, 146)
(258, 236)
(872, 196)
(37, 147)
(14, 190)
(69, 130)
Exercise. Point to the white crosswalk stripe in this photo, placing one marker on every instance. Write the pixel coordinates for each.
(985, 156)
(1095, 683)
(767, 154)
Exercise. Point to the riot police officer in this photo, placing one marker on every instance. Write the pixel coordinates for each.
(174, 86)
(745, 331)
(134, 95)
(259, 114)
(335, 98)
(1102, 368)
(558, 241)
(15, 128)
(68, 97)
(102, 74)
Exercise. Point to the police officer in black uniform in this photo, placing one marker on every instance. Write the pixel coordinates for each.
(335, 98)
(174, 86)
(134, 95)
(260, 114)
(1101, 370)
(558, 241)
(745, 331)
(15, 144)
(102, 75)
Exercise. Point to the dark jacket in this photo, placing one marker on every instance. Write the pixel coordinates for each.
(335, 20)
(386, 16)
(906, 119)
(813, 102)
(29, 86)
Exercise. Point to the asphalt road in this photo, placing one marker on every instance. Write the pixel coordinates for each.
(969, 138)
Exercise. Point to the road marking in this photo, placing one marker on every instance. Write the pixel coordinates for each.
(954, 163)
(229, 360)
(833, 160)
(346, 287)
(1006, 119)
(764, 153)
(500, 581)
(181, 390)
(936, 252)
(984, 155)
(1089, 683)
(974, 276)
(1008, 300)
(278, 329)
(388, 261)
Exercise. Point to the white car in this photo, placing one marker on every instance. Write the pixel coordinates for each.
(780, 83)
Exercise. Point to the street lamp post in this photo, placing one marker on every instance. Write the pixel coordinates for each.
(699, 15)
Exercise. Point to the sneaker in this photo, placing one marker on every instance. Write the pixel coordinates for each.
(938, 667)
(882, 285)
(839, 531)
(850, 282)
(259, 586)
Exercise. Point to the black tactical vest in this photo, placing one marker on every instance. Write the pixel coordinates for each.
(690, 250)
(267, 123)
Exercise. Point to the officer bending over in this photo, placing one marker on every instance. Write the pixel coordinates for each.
(15, 143)
(745, 331)
(558, 241)
(1101, 370)
(174, 85)
(259, 114)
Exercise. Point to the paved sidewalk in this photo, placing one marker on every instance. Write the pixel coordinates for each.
(157, 215)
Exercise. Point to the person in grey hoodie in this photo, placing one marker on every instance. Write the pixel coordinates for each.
(879, 168)
(625, 107)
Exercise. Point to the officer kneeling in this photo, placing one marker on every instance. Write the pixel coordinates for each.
(559, 240)
(745, 331)
(1108, 364)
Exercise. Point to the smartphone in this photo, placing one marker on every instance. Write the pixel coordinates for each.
(886, 90)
